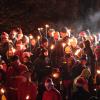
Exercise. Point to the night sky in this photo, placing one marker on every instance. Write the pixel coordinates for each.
(30, 14)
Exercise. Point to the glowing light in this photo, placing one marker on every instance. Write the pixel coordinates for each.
(46, 26)
(95, 89)
(69, 41)
(77, 52)
(2, 91)
(13, 50)
(52, 47)
(55, 75)
(69, 30)
(63, 44)
(68, 49)
(60, 82)
(38, 37)
(39, 29)
(27, 97)
(30, 37)
(98, 71)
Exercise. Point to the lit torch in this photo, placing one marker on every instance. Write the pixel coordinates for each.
(27, 97)
(46, 26)
(63, 44)
(2, 90)
(69, 32)
(52, 47)
(40, 29)
(77, 52)
(38, 37)
(98, 71)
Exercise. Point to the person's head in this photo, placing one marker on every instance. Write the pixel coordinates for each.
(86, 73)
(4, 37)
(63, 32)
(83, 60)
(33, 42)
(49, 84)
(87, 43)
(83, 83)
(20, 34)
(11, 52)
(51, 32)
(26, 56)
(73, 42)
(15, 60)
(13, 34)
(56, 35)
(44, 42)
(19, 45)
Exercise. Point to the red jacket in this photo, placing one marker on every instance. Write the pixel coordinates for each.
(53, 94)
(27, 91)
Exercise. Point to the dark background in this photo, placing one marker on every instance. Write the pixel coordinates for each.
(30, 14)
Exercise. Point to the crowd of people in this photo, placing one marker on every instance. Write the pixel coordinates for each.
(52, 65)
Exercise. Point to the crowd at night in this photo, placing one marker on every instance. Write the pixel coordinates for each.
(50, 50)
(54, 65)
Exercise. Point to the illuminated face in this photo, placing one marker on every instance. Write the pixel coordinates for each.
(13, 34)
(20, 36)
(10, 53)
(33, 42)
(62, 34)
(45, 44)
(56, 35)
(84, 62)
(4, 39)
(19, 46)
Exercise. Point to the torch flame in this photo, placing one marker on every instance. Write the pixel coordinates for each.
(27, 97)
(63, 44)
(46, 26)
(38, 37)
(2, 91)
(77, 52)
(98, 71)
(52, 47)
